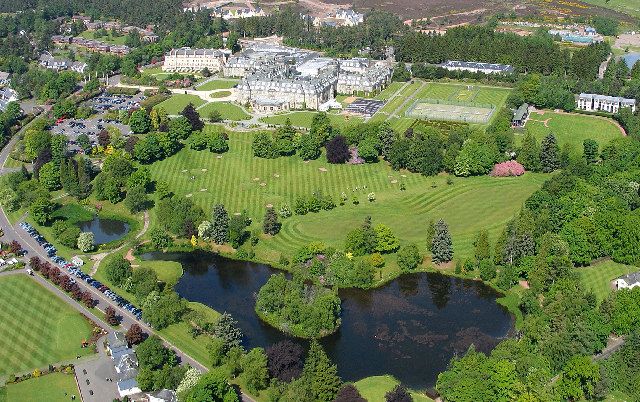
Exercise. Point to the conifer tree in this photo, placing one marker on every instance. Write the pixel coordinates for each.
(431, 231)
(320, 375)
(442, 248)
(271, 225)
(482, 248)
(220, 222)
(529, 153)
(549, 150)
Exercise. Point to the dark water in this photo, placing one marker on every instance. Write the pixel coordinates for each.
(409, 328)
(105, 230)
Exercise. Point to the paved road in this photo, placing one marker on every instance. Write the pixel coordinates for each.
(34, 249)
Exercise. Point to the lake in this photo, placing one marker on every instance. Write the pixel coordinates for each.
(105, 230)
(409, 328)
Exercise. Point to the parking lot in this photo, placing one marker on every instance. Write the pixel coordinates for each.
(365, 107)
(72, 128)
(106, 102)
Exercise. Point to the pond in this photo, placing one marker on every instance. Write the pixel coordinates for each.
(105, 230)
(409, 328)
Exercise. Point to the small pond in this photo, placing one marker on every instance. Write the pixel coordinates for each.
(409, 328)
(630, 58)
(105, 230)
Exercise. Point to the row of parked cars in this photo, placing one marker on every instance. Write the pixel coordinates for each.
(75, 271)
(48, 247)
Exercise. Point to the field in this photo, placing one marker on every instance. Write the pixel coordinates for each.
(395, 111)
(572, 128)
(217, 84)
(176, 103)
(220, 94)
(241, 181)
(389, 91)
(375, 388)
(118, 40)
(229, 111)
(631, 7)
(598, 277)
(57, 387)
(167, 271)
(303, 119)
(37, 328)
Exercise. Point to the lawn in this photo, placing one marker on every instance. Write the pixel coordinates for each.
(176, 103)
(598, 277)
(179, 335)
(572, 128)
(57, 387)
(37, 327)
(375, 388)
(389, 91)
(117, 40)
(303, 119)
(243, 182)
(167, 271)
(217, 84)
(229, 111)
(220, 94)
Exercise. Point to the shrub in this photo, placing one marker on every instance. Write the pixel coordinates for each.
(508, 168)
(409, 257)
(284, 211)
(86, 242)
(338, 150)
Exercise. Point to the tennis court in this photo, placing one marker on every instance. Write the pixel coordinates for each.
(450, 110)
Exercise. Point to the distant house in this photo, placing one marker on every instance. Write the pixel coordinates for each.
(78, 67)
(7, 95)
(604, 103)
(48, 61)
(475, 67)
(165, 395)
(4, 78)
(520, 116)
(116, 342)
(628, 281)
(128, 387)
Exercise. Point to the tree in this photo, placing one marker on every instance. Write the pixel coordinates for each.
(431, 232)
(136, 199)
(35, 141)
(159, 238)
(41, 210)
(254, 368)
(442, 248)
(139, 121)
(386, 241)
(134, 335)
(159, 118)
(308, 147)
(482, 248)
(180, 128)
(263, 146)
(165, 310)
(118, 270)
(579, 378)
(398, 394)
(49, 176)
(285, 360)
(86, 242)
(110, 316)
(228, 330)
(153, 355)
(409, 257)
(213, 387)
(215, 116)
(549, 150)
(190, 113)
(529, 153)
(590, 150)
(337, 150)
(270, 224)
(220, 222)
(320, 374)
(349, 393)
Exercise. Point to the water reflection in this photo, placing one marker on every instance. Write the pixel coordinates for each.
(409, 328)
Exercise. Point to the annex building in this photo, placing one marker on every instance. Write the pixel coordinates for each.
(604, 103)
(194, 60)
(475, 67)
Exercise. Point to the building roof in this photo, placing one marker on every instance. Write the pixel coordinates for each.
(502, 68)
(521, 112)
(187, 51)
(4, 76)
(631, 278)
(606, 98)
(127, 384)
(116, 339)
